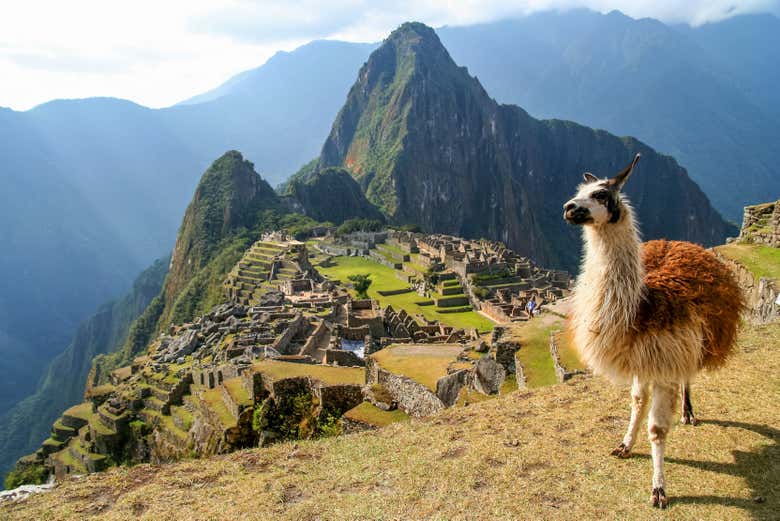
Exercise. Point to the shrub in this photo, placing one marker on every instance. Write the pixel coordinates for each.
(28, 475)
(361, 283)
(330, 426)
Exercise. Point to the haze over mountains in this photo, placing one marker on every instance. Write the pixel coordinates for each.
(94, 189)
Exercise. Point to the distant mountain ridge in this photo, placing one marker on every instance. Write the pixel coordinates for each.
(429, 146)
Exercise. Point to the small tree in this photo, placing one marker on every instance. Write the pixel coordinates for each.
(361, 283)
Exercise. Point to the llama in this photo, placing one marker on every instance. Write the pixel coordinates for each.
(652, 314)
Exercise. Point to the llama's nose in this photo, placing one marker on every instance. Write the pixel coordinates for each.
(571, 205)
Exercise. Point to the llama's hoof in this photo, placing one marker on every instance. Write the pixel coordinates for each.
(689, 420)
(659, 499)
(622, 451)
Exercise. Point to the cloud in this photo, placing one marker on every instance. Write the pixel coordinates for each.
(159, 52)
(263, 21)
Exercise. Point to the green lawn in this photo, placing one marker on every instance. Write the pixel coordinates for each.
(396, 250)
(237, 391)
(384, 279)
(372, 415)
(762, 261)
(82, 410)
(327, 374)
(423, 363)
(534, 354)
(213, 397)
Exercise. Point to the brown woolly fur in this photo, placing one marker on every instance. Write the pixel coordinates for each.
(683, 279)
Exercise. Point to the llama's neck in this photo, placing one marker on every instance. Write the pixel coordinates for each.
(611, 285)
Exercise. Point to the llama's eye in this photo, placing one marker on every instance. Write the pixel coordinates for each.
(600, 196)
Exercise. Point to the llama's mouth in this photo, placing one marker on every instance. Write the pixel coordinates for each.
(577, 216)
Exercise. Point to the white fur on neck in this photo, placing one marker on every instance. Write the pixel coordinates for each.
(609, 289)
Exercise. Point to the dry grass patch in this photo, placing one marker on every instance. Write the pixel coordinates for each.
(372, 415)
(540, 454)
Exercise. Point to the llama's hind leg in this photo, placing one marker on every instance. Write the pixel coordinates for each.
(658, 425)
(687, 407)
(639, 392)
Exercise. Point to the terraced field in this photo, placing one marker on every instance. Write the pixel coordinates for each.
(250, 277)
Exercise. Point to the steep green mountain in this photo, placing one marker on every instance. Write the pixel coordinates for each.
(230, 198)
(313, 191)
(29, 421)
(429, 146)
(231, 206)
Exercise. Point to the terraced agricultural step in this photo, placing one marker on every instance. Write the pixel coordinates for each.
(109, 420)
(62, 431)
(92, 461)
(156, 404)
(168, 425)
(181, 417)
(51, 445)
(161, 394)
(150, 417)
(65, 463)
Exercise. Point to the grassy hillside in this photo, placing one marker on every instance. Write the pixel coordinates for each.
(539, 454)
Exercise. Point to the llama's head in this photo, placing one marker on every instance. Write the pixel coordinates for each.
(598, 200)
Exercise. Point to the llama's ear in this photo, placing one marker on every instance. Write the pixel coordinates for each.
(589, 178)
(619, 180)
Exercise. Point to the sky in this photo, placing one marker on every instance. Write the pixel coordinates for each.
(157, 53)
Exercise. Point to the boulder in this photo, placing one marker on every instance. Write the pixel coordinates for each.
(448, 387)
(505, 355)
(488, 375)
(182, 345)
(229, 310)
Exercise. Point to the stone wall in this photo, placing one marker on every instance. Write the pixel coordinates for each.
(761, 224)
(314, 339)
(283, 341)
(335, 400)
(384, 261)
(494, 311)
(560, 372)
(413, 398)
(760, 295)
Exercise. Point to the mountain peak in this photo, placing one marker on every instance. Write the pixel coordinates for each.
(416, 31)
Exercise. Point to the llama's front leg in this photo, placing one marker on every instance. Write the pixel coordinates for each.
(639, 393)
(658, 425)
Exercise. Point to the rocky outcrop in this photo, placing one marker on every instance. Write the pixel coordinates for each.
(429, 146)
